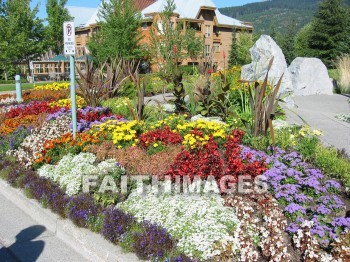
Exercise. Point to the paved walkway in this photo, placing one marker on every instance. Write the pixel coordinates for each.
(319, 112)
(23, 239)
(154, 100)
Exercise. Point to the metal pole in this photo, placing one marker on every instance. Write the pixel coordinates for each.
(33, 79)
(73, 96)
(18, 88)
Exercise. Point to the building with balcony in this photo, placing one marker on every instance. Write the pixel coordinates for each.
(202, 15)
(215, 28)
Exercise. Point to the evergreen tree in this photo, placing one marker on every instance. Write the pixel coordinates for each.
(232, 59)
(329, 37)
(240, 54)
(57, 13)
(119, 35)
(301, 44)
(288, 40)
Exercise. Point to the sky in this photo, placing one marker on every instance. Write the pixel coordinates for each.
(86, 12)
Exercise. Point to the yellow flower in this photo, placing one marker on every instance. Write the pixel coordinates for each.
(317, 132)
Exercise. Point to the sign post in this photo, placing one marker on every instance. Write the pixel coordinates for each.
(31, 67)
(18, 88)
(69, 49)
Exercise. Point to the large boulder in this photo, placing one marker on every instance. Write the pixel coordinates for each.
(262, 52)
(310, 77)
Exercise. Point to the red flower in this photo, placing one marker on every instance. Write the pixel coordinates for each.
(164, 135)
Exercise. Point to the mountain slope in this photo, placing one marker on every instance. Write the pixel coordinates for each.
(275, 14)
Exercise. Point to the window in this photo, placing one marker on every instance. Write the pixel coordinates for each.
(216, 47)
(144, 26)
(67, 68)
(207, 50)
(58, 68)
(207, 31)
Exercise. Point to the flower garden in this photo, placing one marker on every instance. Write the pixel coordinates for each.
(298, 210)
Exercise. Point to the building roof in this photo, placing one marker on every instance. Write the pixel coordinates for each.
(140, 5)
(185, 8)
(59, 58)
(190, 9)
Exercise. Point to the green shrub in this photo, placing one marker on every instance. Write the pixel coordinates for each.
(332, 164)
(12, 82)
(128, 89)
(119, 105)
(189, 69)
(156, 85)
(307, 146)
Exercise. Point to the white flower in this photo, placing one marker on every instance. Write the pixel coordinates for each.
(202, 224)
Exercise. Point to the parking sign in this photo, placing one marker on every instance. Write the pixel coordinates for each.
(69, 38)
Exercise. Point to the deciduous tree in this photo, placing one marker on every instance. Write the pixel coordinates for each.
(172, 42)
(57, 13)
(22, 33)
(119, 34)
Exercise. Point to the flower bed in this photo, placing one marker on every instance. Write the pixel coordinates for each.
(301, 216)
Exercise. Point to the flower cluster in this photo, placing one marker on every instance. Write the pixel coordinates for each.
(123, 134)
(116, 224)
(82, 209)
(13, 140)
(32, 108)
(68, 102)
(201, 224)
(217, 129)
(54, 149)
(10, 125)
(147, 164)
(53, 87)
(162, 136)
(306, 195)
(69, 171)
(307, 132)
(32, 146)
(209, 161)
(6, 100)
(153, 242)
(47, 95)
(261, 232)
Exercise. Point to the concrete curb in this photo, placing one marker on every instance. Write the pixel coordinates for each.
(90, 245)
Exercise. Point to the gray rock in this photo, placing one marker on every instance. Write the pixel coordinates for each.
(262, 52)
(310, 77)
(279, 124)
(216, 119)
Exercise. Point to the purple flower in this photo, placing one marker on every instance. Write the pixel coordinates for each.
(292, 228)
(323, 210)
(293, 208)
(332, 184)
(302, 198)
(341, 222)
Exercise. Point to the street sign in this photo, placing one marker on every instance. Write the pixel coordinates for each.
(69, 49)
(69, 38)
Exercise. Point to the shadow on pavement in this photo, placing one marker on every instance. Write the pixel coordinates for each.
(25, 237)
